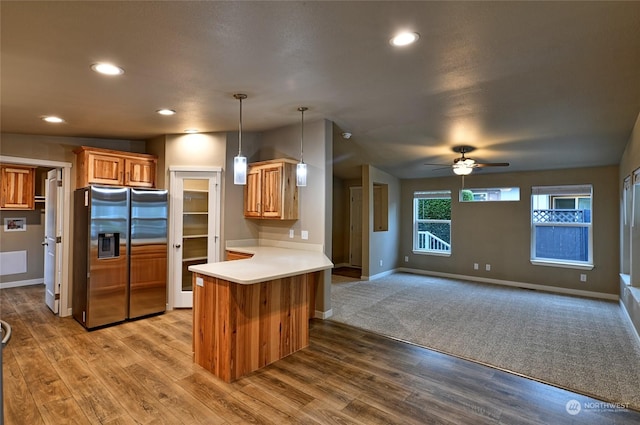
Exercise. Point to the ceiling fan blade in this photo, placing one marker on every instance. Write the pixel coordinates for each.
(492, 164)
(437, 165)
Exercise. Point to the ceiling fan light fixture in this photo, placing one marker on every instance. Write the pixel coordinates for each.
(462, 169)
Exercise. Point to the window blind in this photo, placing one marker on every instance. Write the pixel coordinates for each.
(578, 190)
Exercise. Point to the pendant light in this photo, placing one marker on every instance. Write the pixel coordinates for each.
(240, 162)
(301, 169)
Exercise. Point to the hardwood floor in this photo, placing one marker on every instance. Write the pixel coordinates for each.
(142, 372)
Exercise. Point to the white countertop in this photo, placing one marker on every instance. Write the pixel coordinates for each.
(267, 263)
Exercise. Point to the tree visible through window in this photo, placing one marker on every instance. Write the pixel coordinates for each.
(432, 222)
(561, 229)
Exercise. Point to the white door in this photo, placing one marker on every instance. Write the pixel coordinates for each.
(52, 229)
(355, 226)
(195, 229)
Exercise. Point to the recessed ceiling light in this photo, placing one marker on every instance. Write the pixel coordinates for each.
(404, 39)
(53, 119)
(107, 68)
(166, 111)
(191, 130)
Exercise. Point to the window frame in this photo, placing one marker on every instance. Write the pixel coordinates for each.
(554, 192)
(435, 194)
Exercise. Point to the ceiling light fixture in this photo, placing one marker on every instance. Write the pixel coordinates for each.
(404, 39)
(346, 135)
(166, 112)
(53, 119)
(240, 162)
(105, 68)
(192, 131)
(301, 168)
(462, 169)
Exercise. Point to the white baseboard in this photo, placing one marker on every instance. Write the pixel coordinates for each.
(335, 266)
(555, 289)
(379, 275)
(16, 283)
(323, 314)
(634, 331)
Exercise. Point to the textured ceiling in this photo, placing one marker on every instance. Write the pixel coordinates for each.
(538, 84)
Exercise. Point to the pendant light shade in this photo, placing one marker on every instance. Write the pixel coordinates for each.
(301, 169)
(240, 162)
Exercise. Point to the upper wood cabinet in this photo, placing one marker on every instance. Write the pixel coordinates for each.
(271, 190)
(117, 168)
(18, 187)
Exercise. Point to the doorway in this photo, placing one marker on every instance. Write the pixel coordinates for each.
(57, 271)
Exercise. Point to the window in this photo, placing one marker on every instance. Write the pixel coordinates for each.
(490, 194)
(432, 222)
(561, 231)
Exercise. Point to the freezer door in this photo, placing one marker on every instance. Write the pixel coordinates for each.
(148, 258)
(107, 282)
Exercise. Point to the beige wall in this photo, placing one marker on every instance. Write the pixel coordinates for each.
(383, 245)
(499, 233)
(30, 240)
(285, 143)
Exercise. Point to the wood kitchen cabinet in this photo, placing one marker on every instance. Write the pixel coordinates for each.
(116, 168)
(271, 191)
(18, 187)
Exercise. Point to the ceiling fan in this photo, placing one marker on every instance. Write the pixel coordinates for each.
(463, 166)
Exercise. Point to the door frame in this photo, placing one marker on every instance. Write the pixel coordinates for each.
(351, 201)
(213, 256)
(63, 211)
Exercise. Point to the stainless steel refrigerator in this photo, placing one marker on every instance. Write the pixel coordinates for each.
(120, 254)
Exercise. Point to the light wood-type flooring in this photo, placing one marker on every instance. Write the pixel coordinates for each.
(141, 372)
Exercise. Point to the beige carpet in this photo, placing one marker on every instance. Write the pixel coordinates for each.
(583, 345)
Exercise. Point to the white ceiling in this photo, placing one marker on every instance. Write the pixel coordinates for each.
(541, 85)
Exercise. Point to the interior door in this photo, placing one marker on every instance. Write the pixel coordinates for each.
(195, 229)
(52, 229)
(355, 226)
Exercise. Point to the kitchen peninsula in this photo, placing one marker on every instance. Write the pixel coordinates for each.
(251, 312)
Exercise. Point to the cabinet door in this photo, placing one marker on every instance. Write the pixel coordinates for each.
(272, 191)
(140, 172)
(253, 192)
(18, 190)
(105, 169)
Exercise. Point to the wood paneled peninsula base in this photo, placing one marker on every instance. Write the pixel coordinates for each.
(240, 327)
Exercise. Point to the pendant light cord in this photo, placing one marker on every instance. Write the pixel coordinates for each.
(240, 96)
(302, 109)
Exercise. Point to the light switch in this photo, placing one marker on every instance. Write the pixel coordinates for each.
(304, 234)
(291, 234)
(199, 281)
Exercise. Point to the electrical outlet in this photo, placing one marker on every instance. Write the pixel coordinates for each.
(476, 266)
(291, 234)
(583, 277)
(304, 234)
(380, 263)
(487, 267)
(406, 258)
